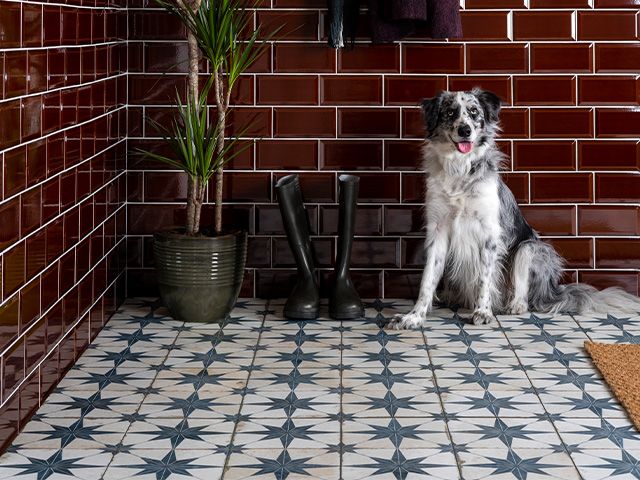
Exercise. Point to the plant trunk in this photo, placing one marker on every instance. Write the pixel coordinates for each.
(222, 104)
(199, 200)
(192, 226)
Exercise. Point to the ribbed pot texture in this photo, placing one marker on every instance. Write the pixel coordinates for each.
(199, 278)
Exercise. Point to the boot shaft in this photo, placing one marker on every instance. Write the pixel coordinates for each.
(349, 186)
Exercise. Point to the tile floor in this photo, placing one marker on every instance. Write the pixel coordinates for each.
(262, 398)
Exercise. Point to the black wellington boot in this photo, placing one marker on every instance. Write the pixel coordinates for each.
(304, 300)
(344, 301)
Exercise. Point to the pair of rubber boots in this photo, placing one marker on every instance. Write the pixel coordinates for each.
(304, 301)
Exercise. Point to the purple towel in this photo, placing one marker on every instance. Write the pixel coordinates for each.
(395, 19)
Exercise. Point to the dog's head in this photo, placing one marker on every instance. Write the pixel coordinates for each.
(462, 121)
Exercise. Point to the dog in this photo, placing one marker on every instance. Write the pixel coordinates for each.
(477, 242)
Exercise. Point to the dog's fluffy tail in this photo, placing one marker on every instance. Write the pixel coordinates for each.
(579, 298)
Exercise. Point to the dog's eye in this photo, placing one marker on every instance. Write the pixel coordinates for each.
(450, 113)
(473, 111)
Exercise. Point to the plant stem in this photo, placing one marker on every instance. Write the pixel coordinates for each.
(222, 103)
(192, 228)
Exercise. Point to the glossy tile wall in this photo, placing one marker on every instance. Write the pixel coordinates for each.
(62, 189)
(566, 70)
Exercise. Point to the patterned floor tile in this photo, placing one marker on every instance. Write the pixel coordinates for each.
(517, 433)
(259, 397)
(529, 464)
(178, 464)
(391, 464)
(608, 464)
(275, 464)
(37, 464)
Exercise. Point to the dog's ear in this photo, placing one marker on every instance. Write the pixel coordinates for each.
(431, 111)
(490, 103)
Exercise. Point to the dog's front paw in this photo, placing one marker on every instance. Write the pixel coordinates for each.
(482, 317)
(406, 322)
(518, 308)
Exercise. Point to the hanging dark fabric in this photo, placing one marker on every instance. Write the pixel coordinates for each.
(392, 20)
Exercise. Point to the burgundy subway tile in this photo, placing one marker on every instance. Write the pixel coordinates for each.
(15, 171)
(412, 253)
(544, 155)
(500, 85)
(413, 187)
(368, 122)
(518, 183)
(436, 58)
(31, 214)
(287, 90)
(411, 89)
(368, 220)
(608, 220)
(247, 187)
(9, 124)
(412, 123)
(379, 187)
(35, 344)
(37, 77)
(609, 155)
(402, 154)
(497, 58)
(515, 122)
(560, 3)
(259, 252)
(249, 122)
(544, 90)
(9, 321)
(609, 90)
(382, 252)
(542, 25)
(10, 221)
(36, 162)
(10, 23)
(561, 123)
(31, 118)
(13, 367)
(351, 90)
(578, 252)
(478, 25)
(563, 57)
(36, 253)
(628, 281)
(617, 187)
(56, 67)
(606, 25)
(15, 69)
(351, 155)
(617, 58)
(49, 287)
(495, 4)
(402, 283)
(304, 58)
(274, 283)
(551, 220)
(287, 154)
(616, 4)
(269, 220)
(55, 239)
(623, 122)
(316, 187)
(167, 187)
(370, 58)
(617, 253)
(404, 220)
(154, 25)
(71, 227)
(304, 122)
(70, 26)
(561, 188)
(289, 25)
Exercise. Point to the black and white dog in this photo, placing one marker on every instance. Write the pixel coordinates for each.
(477, 241)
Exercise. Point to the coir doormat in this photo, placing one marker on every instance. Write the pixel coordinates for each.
(620, 367)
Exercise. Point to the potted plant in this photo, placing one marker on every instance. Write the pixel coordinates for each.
(200, 271)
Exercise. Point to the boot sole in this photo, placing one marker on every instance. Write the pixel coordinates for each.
(347, 315)
(300, 315)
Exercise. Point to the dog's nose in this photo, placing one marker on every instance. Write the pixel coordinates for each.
(464, 131)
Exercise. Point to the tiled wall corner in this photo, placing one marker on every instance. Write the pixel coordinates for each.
(63, 127)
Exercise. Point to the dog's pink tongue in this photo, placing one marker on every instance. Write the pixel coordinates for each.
(464, 147)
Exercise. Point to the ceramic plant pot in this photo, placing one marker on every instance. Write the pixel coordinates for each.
(199, 278)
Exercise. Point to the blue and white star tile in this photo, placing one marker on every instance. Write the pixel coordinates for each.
(610, 464)
(537, 322)
(178, 464)
(407, 377)
(500, 403)
(493, 339)
(469, 433)
(184, 433)
(399, 433)
(287, 403)
(577, 380)
(452, 378)
(472, 357)
(520, 464)
(393, 464)
(584, 434)
(300, 379)
(105, 377)
(55, 464)
(70, 433)
(88, 404)
(211, 379)
(572, 404)
(287, 433)
(385, 403)
(279, 464)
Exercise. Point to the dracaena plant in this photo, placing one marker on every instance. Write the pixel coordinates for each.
(221, 32)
